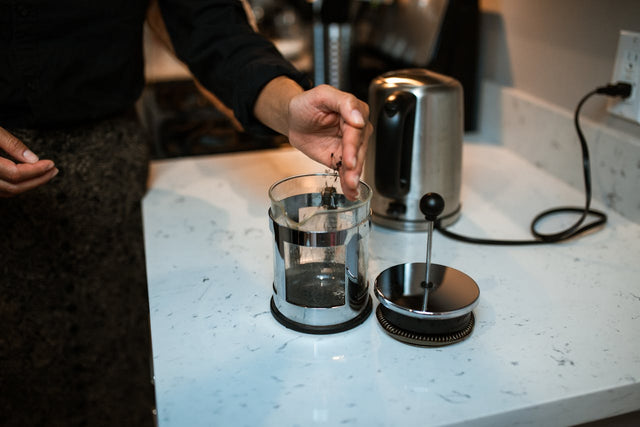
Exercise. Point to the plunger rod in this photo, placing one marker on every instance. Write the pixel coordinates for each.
(431, 205)
(425, 299)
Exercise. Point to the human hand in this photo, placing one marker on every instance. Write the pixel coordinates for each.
(27, 173)
(333, 128)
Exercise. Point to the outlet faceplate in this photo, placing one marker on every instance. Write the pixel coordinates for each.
(627, 69)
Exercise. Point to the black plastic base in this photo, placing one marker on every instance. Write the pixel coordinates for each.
(436, 334)
(426, 325)
(321, 330)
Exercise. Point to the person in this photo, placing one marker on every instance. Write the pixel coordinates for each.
(75, 340)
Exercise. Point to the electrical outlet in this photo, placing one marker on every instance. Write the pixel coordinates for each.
(627, 69)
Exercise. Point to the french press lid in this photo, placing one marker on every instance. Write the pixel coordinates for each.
(423, 303)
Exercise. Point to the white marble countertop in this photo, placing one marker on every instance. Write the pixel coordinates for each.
(557, 330)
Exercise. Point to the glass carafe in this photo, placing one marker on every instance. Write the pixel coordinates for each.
(320, 253)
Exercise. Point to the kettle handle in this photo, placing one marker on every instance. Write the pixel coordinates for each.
(394, 144)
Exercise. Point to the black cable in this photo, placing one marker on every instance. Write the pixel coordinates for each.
(619, 89)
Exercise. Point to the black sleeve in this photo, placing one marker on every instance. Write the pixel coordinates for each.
(215, 40)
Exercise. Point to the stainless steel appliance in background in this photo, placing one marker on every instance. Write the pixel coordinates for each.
(416, 147)
(332, 43)
(438, 35)
(353, 41)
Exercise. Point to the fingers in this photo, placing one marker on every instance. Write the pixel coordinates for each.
(356, 130)
(362, 151)
(351, 109)
(15, 148)
(13, 188)
(345, 118)
(28, 173)
(354, 146)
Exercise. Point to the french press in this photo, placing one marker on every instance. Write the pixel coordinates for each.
(320, 242)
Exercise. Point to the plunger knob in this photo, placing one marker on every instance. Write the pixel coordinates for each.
(431, 205)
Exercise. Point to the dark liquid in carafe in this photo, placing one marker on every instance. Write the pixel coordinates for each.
(322, 285)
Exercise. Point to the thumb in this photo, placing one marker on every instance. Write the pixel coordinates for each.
(350, 108)
(15, 148)
(355, 118)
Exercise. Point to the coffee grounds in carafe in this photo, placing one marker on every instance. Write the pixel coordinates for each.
(329, 198)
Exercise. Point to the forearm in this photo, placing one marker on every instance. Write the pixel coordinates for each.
(272, 105)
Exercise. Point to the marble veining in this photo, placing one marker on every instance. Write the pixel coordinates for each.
(554, 343)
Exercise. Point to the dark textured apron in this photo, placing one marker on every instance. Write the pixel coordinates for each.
(75, 341)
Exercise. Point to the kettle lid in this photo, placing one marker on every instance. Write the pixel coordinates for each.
(414, 77)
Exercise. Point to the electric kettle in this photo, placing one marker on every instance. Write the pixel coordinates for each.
(416, 146)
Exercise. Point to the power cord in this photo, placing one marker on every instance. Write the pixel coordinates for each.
(620, 89)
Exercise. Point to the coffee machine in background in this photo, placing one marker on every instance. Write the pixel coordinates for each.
(351, 42)
(438, 35)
